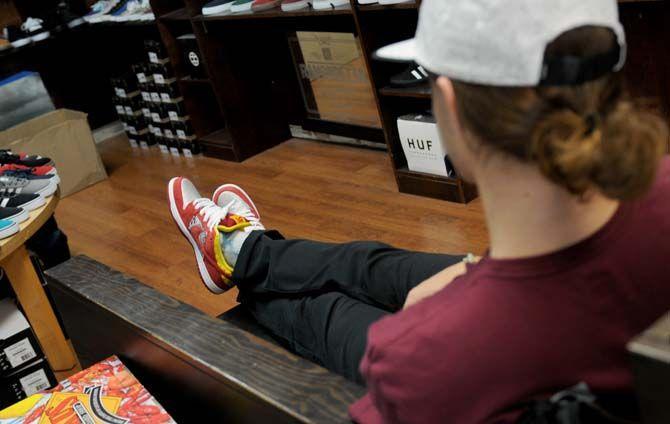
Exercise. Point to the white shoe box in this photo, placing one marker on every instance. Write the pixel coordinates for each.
(421, 144)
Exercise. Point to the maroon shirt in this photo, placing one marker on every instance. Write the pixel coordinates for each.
(509, 331)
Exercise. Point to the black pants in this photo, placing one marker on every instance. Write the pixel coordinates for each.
(320, 298)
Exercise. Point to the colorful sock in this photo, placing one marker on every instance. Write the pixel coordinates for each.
(231, 244)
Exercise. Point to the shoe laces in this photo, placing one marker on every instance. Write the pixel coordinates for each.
(212, 213)
(31, 23)
(241, 209)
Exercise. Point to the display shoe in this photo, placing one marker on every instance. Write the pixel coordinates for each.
(328, 4)
(412, 76)
(67, 17)
(118, 9)
(7, 157)
(261, 5)
(37, 170)
(204, 224)
(17, 215)
(217, 6)
(35, 28)
(44, 186)
(25, 201)
(8, 228)
(241, 6)
(293, 5)
(99, 8)
(17, 37)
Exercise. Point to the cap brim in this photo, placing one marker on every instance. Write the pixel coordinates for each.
(402, 51)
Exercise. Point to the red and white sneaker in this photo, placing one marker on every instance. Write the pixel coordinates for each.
(228, 193)
(202, 222)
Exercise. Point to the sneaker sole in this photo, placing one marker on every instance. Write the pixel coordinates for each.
(41, 37)
(22, 42)
(216, 9)
(19, 217)
(49, 190)
(76, 22)
(204, 275)
(238, 191)
(241, 8)
(9, 231)
(292, 7)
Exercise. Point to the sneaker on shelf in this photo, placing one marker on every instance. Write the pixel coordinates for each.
(36, 29)
(109, 8)
(328, 4)
(25, 201)
(135, 10)
(68, 18)
(8, 228)
(208, 227)
(17, 215)
(293, 5)
(44, 186)
(412, 76)
(37, 170)
(217, 6)
(7, 157)
(241, 6)
(261, 5)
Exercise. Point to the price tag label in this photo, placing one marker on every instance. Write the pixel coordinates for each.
(146, 96)
(155, 97)
(153, 57)
(174, 151)
(168, 133)
(159, 79)
(120, 110)
(34, 382)
(158, 132)
(129, 110)
(155, 117)
(141, 77)
(146, 112)
(20, 353)
(166, 98)
(133, 142)
(187, 153)
(132, 130)
(144, 145)
(164, 148)
(181, 134)
(173, 115)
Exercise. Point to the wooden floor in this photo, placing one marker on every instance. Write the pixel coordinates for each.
(303, 188)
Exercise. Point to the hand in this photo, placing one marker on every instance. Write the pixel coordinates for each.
(435, 283)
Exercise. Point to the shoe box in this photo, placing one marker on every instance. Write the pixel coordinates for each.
(156, 52)
(23, 369)
(192, 56)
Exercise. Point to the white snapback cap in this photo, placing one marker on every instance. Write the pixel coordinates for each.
(503, 43)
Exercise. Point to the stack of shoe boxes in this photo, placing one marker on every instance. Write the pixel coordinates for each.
(170, 124)
(151, 107)
(23, 367)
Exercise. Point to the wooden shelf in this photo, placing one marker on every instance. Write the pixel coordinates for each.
(275, 14)
(220, 137)
(177, 15)
(377, 6)
(435, 186)
(189, 80)
(419, 92)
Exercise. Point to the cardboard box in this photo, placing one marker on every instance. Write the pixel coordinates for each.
(104, 393)
(422, 146)
(25, 382)
(18, 345)
(64, 136)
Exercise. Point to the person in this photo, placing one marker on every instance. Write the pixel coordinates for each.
(576, 194)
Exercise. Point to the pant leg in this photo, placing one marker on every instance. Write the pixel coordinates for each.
(329, 329)
(372, 272)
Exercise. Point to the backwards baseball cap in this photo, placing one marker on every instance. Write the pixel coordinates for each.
(503, 43)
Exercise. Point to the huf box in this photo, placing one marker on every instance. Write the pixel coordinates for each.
(421, 144)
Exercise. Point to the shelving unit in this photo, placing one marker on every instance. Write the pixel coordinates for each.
(250, 93)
